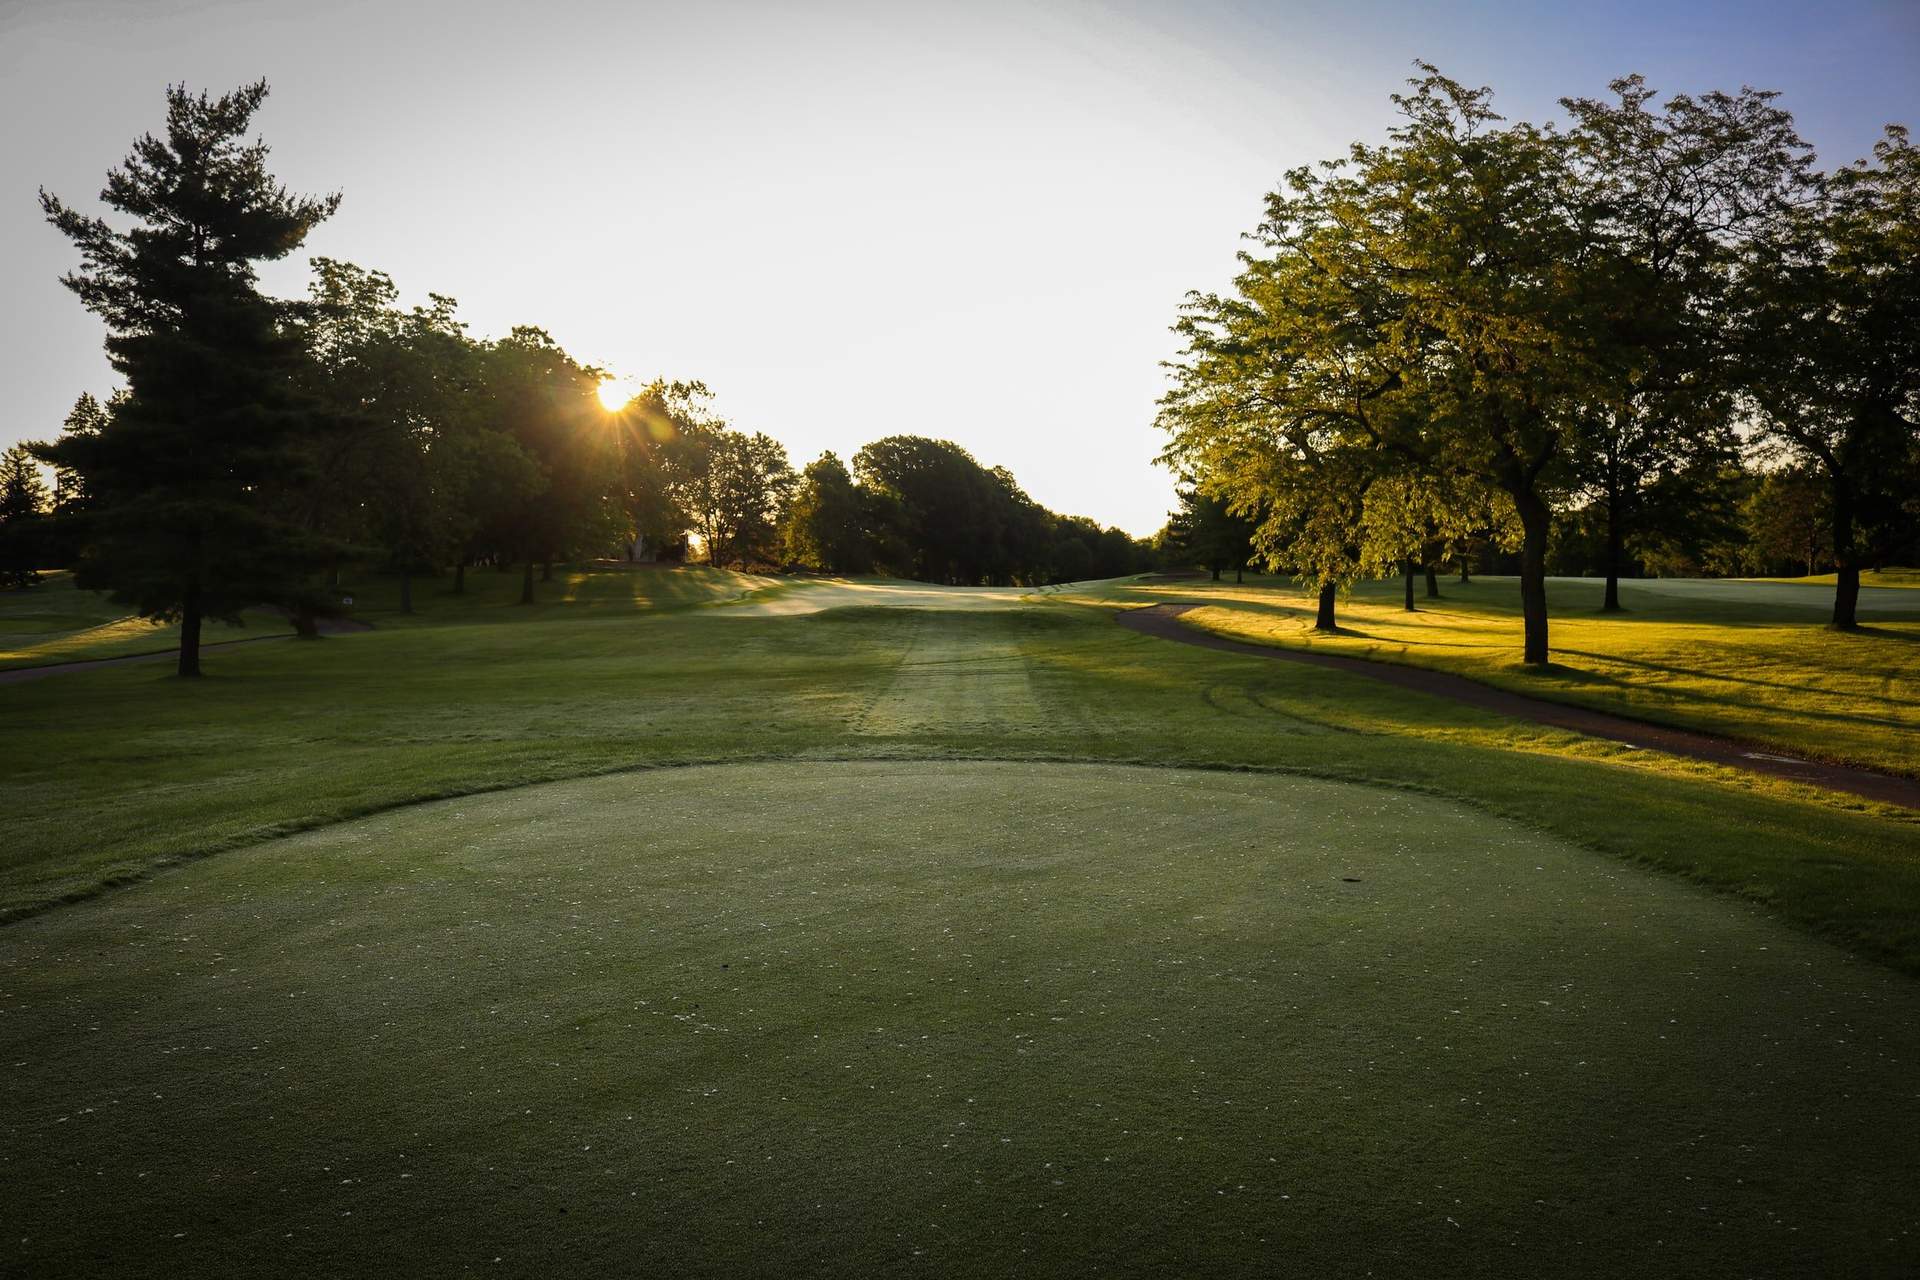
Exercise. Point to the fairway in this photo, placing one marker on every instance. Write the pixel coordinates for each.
(948, 1019)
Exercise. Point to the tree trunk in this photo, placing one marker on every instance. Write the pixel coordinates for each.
(526, 583)
(1465, 577)
(460, 578)
(333, 575)
(1407, 573)
(1216, 573)
(190, 633)
(1535, 520)
(1433, 582)
(1239, 573)
(1324, 621)
(1614, 537)
(1846, 565)
(546, 571)
(406, 588)
(304, 625)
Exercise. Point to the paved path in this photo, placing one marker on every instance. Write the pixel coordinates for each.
(1163, 620)
(20, 675)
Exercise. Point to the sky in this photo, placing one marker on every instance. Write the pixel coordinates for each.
(972, 220)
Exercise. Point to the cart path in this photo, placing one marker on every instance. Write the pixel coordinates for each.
(1163, 621)
(20, 675)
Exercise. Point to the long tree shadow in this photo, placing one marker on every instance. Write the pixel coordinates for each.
(1302, 613)
(1683, 696)
(1698, 673)
(1882, 633)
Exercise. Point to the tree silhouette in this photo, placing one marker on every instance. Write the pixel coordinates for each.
(182, 519)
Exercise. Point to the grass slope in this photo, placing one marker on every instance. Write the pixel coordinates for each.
(1745, 660)
(54, 622)
(946, 1019)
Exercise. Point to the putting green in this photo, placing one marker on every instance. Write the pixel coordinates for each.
(945, 1018)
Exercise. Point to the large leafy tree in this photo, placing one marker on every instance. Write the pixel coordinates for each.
(1411, 519)
(734, 486)
(1019, 532)
(549, 405)
(1479, 229)
(1083, 550)
(1289, 385)
(945, 506)
(182, 520)
(826, 525)
(348, 327)
(1787, 522)
(650, 427)
(1833, 333)
(417, 466)
(1673, 194)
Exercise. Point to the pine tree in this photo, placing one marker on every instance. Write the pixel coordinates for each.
(88, 417)
(23, 501)
(186, 481)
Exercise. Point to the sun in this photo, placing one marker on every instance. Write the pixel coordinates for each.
(614, 394)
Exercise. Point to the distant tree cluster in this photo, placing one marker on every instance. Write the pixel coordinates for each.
(1656, 338)
(920, 508)
(259, 444)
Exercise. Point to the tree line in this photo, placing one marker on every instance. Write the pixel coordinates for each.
(1633, 340)
(259, 444)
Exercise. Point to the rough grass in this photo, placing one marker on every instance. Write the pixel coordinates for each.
(946, 1019)
(1746, 660)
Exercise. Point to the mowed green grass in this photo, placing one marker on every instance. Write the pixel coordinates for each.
(946, 1018)
(1300, 1020)
(1748, 660)
(1868, 578)
(110, 774)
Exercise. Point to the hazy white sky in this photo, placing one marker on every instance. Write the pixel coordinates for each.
(971, 220)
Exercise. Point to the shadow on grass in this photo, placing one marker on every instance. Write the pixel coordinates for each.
(1881, 633)
(1719, 677)
(1681, 697)
(1561, 673)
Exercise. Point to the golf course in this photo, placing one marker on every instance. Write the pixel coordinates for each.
(771, 642)
(693, 921)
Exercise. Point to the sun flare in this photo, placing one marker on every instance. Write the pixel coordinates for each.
(614, 394)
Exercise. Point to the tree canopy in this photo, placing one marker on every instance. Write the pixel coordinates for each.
(1478, 326)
